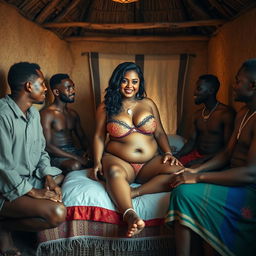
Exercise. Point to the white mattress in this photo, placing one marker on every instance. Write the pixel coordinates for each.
(79, 190)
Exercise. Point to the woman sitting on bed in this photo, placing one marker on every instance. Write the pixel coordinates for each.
(131, 153)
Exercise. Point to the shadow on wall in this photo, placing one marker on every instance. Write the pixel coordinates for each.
(3, 84)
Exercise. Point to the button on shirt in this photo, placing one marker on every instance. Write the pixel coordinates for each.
(22, 150)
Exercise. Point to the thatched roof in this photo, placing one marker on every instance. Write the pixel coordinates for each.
(143, 20)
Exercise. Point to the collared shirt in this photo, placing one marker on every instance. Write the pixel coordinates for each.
(22, 149)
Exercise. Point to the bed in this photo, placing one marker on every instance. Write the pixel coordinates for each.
(95, 227)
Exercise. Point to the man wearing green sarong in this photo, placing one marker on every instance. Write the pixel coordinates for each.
(218, 199)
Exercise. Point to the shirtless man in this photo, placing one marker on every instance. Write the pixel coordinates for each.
(221, 207)
(60, 124)
(30, 199)
(212, 127)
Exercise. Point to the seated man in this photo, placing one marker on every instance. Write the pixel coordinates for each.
(30, 199)
(212, 126)
(60, 123)
(221, 207)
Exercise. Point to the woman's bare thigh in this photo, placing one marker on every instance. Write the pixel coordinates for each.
(155, 167)
(109, 160)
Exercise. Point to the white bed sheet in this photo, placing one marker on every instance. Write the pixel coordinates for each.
(79, 190)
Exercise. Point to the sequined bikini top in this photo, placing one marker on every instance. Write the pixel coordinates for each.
(120, 129)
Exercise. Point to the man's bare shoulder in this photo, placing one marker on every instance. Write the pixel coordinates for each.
(241, 112)
(49, 113)
(227, 111)
(73, 112)
(224, 107)
(51, 109)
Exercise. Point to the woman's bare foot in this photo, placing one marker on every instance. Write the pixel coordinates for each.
(135, 223)
(135, 192)
(7, 247)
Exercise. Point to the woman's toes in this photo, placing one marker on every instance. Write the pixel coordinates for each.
(135, 223)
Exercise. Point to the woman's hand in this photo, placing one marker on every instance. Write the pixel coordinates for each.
(96, 171)
(171, 159)
(183, 176)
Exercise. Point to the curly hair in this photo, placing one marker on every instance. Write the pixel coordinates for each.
(212, 80)
(113, 97)
(20, 73)
(249, 67)
(56, 79)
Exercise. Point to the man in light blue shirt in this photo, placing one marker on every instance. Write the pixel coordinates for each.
(30, 198)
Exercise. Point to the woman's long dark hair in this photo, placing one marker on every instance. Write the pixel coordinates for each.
(113, 97)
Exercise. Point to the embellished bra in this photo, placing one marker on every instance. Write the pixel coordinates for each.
(120, 129)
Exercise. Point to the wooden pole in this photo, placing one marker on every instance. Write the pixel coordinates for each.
(131, 26)
(133, 39)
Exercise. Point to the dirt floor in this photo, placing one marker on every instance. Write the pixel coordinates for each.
(26, 243)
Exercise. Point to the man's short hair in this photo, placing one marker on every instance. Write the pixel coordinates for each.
(21, 73)
(249, 67)
(212, 80)
(56, 79)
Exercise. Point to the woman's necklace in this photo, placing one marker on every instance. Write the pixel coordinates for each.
(244, 122)
(130, 108)
(206, 117)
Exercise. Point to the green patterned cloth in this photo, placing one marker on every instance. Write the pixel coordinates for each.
(225, 217)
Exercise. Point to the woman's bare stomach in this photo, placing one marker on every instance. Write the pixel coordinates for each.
(138, 149)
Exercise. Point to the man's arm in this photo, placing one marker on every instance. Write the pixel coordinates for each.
(12, 185)
(235, 176)
(44, 167)
(228, 123)
(238, 176)
(231, 177)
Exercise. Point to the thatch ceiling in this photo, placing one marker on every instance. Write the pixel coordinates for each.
(147, 19)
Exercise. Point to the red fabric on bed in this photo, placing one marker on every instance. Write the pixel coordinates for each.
(94, 213)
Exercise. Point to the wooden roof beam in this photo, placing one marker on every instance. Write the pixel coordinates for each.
(132, 39)
(49, 8)
(135, 26)
(221, 8)
(192, 7)
(66, 11)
